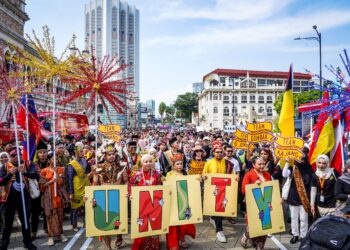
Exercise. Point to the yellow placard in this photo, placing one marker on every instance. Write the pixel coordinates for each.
(186, 202)
(264, 209)
(220, 195)
(111, 131)
(240, 144)
(260, 137)
(150, 210)
(241, 135)
(106, 210)
(290, 142)
(291, 153)
(259, 126)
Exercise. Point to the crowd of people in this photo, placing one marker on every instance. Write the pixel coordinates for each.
(145, 158)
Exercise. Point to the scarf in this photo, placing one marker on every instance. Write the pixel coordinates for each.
(325, 173)
(345, 178)
(301, 190)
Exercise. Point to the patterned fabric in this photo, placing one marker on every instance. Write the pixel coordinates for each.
(79, 183)
(301, 190)
(196, 167)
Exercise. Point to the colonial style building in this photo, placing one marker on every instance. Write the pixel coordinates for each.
(233, 96)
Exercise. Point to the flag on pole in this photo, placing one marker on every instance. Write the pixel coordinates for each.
(337, 153)
(286, 120)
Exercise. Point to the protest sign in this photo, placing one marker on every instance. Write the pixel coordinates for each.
(150, 210)
(289, 153)
(220, 195)
(111, 131)
(186, 202)
(291, 142)
(258, 127)
(264, 209)
(106, 210)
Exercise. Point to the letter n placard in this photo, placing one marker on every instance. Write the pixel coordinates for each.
(220, 195)
(186, 202)
(109, 214)
(264, 209)
(150, 210)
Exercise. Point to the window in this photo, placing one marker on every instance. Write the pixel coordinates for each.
(279, 82)
(252, 85)
(215, 110)
(222, 79)
(215, 97)
(226, 99)
(244, 85)
(261, 110)
(214, 83)
(234, 111)
(269, 99)
(244, 99)
(235, 99)
(296, 89)
(296, 83)
(261, 82)
(304, 83)
(252, 99)
(269, 111)
(226, 111)
(261, 99)
(270, 82)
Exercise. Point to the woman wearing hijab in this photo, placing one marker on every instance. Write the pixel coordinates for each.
(322, 192)
(342, 187)
(4, 158)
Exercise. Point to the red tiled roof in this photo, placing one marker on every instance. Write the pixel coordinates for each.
(256, 73)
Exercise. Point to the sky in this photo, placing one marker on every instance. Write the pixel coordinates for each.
(183, 40)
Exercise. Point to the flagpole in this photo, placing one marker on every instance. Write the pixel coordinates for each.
(96, 125)
(54, 133)
(27, 129)
(19, 164)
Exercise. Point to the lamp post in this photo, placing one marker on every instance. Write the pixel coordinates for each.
(233, 101)
(318, 38)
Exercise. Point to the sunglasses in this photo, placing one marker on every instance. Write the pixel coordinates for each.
(218, 152)
(229, 151)
(198, 151)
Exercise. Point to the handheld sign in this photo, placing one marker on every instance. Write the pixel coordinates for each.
(259, 126)
(111, 131)
(291, 153)
(220, 195)
(150, 210)
(260, 137)
(186, 202)
(291, 142)
(241, 135)
(264, 209)
(106, 210)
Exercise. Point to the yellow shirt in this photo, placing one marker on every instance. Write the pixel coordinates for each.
(173, 173)
(215, 166)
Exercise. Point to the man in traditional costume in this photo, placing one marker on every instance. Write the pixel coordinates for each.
(62, 159)
(169, 155)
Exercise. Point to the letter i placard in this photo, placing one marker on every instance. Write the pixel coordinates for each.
(106, 210)
(186, 202)
(264, 209)
(220, 195)
(150, 210)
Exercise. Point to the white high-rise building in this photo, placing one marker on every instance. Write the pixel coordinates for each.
(113, 27)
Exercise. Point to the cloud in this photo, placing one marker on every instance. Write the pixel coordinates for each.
(238, 10)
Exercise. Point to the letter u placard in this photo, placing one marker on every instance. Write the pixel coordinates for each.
(264, 209)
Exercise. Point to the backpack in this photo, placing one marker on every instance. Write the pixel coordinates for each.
(328, 232)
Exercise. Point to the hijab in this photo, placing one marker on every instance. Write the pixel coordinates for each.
(324, 173)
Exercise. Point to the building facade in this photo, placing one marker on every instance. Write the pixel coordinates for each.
(234, 96)
(112, 28)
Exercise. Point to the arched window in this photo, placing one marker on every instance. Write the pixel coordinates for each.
(215, 97)
(269, 111)
(261, 99)
(226, 99)
(100, 108)
(226, 111)
(269, 99)
(261, 110)
(215, 110)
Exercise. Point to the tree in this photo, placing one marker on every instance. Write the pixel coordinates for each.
(161, 109)
(185, 104)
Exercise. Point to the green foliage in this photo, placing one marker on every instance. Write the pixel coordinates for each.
(161, 109)
(298, 98)
(185, 104)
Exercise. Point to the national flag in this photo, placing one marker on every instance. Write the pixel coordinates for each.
(325, 141)
(33, 126)
(337, 153)
(286, 120)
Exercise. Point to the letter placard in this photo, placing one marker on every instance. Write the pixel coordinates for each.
(111, 131)
(109, 215)
(291, 153)
(259, 126)
(186, 202)
(220, 195)
(264, 209)
(292, 142)
(150, 210)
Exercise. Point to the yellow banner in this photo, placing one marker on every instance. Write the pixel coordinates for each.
(241, 135)
(264, 208)
(186, 202)
(291, 153)
(290, 142)
(111, 131)
(237, 143)
(260, 137)
(259, 126)
(106, 210)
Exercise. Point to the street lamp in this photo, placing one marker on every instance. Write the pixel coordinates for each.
(318, 38)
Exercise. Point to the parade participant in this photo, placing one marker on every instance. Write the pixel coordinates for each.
(206, 146)
(322, 194)
(110, 172)
(77, 170)
(4, 158)
(218, 165)
(130, 155)
(10, 179)
(146, 177)
(61, 158)
(187, 155)
(176, 236)
(228, 156)
(256, 175)
(197, 163)
(153, 153)
(169, 154)
(342, 187)
(36, 208)
(296, 191)
(53, 204)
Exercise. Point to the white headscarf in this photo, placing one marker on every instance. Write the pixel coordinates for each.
(324, 173)
(7, 155)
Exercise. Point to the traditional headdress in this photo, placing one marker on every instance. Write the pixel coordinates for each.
(216, 145)
(177, 157)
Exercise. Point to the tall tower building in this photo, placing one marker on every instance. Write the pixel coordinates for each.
(113, 27)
